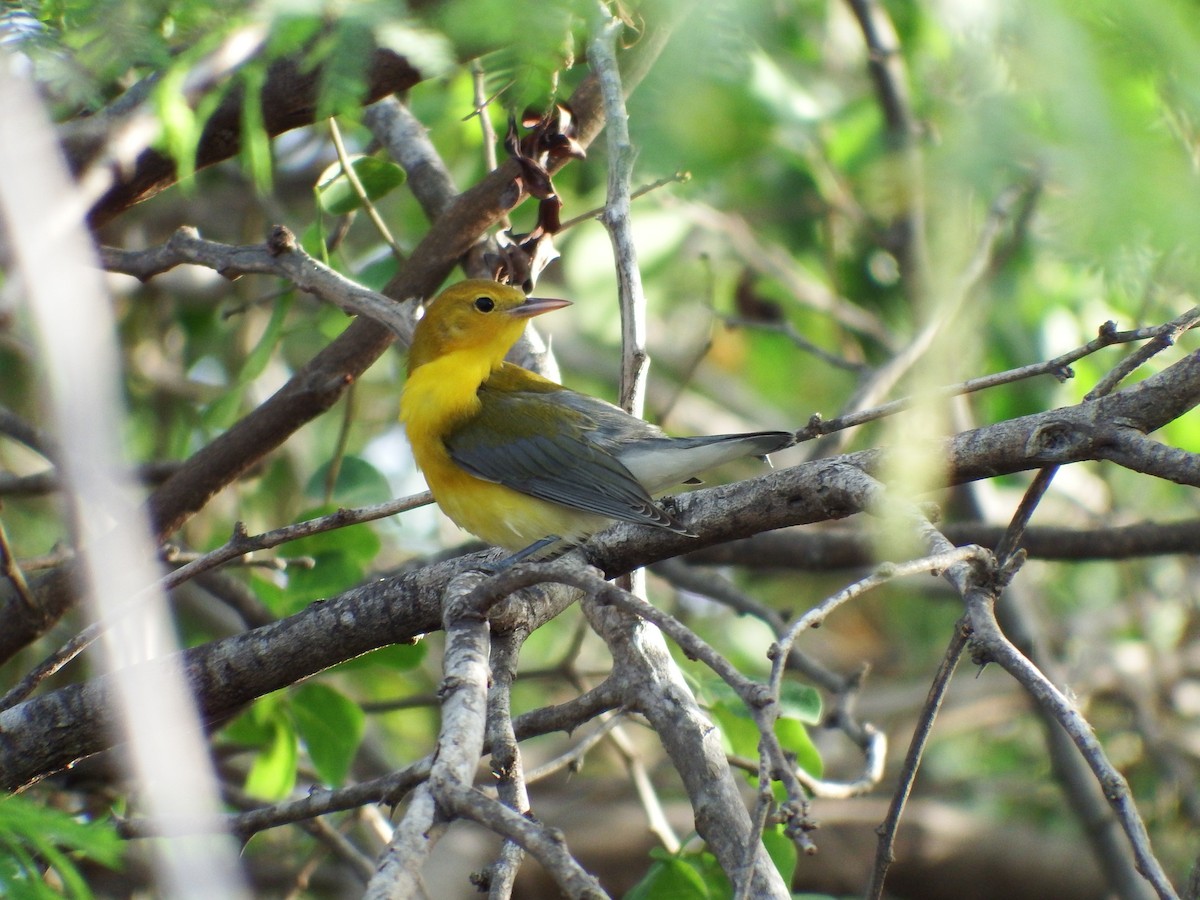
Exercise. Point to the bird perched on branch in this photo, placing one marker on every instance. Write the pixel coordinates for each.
(525, 463)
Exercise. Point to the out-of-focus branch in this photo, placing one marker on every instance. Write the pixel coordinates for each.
(841, 547)
(885, 63)
(288, 100)
(989, 242)
(154, 716)
(1059, 367)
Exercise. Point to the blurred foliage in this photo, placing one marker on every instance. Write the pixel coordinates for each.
(794, 193)
(41, 847)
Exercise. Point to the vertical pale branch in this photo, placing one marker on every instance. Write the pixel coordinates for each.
(460, 742)
(635, 362)
(43, 214)
(507, 766)
(652, 684)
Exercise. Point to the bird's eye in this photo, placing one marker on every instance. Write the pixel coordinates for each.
(485, 304)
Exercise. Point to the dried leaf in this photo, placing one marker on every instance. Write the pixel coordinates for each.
(751, 304)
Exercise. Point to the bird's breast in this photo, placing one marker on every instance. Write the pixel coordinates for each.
(438, 398)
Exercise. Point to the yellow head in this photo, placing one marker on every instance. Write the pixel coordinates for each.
(477, 316)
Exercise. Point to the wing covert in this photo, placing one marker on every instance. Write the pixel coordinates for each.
(549, 450)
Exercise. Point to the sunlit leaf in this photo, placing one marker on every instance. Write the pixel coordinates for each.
(273, 773)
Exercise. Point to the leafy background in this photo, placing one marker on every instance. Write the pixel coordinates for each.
(794, 187)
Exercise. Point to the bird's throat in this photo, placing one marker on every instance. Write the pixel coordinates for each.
(442, 393)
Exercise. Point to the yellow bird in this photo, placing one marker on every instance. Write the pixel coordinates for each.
(525, 463)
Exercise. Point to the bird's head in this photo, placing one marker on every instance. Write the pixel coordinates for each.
(479, 316)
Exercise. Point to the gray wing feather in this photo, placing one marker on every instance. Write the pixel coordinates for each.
(510, 443)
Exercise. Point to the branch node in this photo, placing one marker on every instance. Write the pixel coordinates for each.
(280, 240)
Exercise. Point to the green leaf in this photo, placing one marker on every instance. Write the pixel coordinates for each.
(794, 737)
(738, 729)
(33, 837)
(358, 483)
(258, 358)
(256, 143)
(375, 275)
(180, 129)
(223, 411)
(331, 726)
(312, 240)
(670, 879)
(330, 574)
(273, 774)
(800, 701)
(782, 852)
(397, 657)
(378, 176)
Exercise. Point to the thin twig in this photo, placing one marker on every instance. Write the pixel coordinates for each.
(547, 847)
(1059, 367)
(884, 854)
(635, 361)
(1165, 337)
(389, 789)
(1160, 338)
(978, 589)
(478, 77)
(656, 816)
(573, 758)
(343, 441)
(12, 571)
(356, 183)
(281, 256)
(487, 130)
(598, 211)
(788, 330)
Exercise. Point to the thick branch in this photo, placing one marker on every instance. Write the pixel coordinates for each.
(49, 732)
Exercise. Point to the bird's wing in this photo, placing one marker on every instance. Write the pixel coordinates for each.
(544, 443)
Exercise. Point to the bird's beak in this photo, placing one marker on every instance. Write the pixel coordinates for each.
(535, 306)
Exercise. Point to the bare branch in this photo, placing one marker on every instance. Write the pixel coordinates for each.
(990, 645)
(459, 744)
(1059, 367)
(507, 766)
(884, 855)
(546, 846)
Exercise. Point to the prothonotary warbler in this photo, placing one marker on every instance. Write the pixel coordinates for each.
(522, 462)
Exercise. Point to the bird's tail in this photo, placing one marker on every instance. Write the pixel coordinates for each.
(659, 463)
